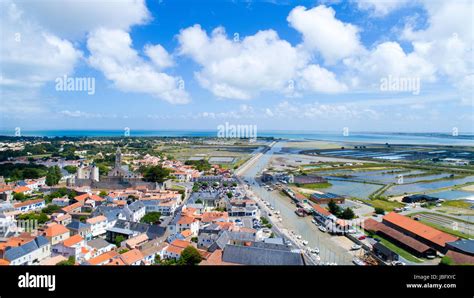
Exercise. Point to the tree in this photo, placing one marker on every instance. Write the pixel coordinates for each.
(190, 256)
(71, 169)
(229, 195)
(347, 214)
(379, 210)
(334, 208)
(50, 209)
(19, 196)
(82, 218)
(446, 260)
(69, 262)
(53, 176)
(103, 193)
(151, 218)
(155, 174)
(157, 259)
(119, 239)
(198, 201)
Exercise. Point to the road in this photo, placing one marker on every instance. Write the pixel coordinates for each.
(292, 225)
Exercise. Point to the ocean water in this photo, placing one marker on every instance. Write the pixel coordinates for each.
(358, 137)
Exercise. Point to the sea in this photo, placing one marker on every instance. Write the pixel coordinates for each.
(356, 137)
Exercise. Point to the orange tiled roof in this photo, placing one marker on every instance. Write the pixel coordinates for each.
(103, 257)
(4, 262)
(21, 189)
(321, 210)
(174, 249)
(26, 203)
(180, 243)
(84, 197)
(185, 220)
(71, 207)
(213, 216)
(419, 229)
(96, 219)
(186, 233)
(55, 230)
(72, 240)
(131, 256)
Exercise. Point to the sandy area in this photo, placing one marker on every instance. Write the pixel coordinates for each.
(468, 188)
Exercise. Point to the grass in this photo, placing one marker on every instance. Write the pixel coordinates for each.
(316, 185)
(457, 204)
(385, 205)
(400, 251)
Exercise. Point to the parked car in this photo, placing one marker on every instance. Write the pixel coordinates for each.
(356, 247)
(322, 229)
(358, 262)
(398, 263)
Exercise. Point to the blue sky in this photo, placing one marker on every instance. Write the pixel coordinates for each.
(281, 65)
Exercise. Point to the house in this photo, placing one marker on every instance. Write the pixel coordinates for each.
(23, 189)
(135, 211)
(30, 205)
(321, 214)
(73, 208)
(61, 218)
(174, 249)
(61, 202)
(430, 236)
(152, 249)
(6, 193)
(136, 241)
(89, 197)
(29, 251)
(99, 246)
(98, 225)
(56, 233)
(384, 252)
(79, 228)
(103, 259)
(129, 229)
(325, 198)
(406, 242)
(187, 223)
(74, 246)
(215, 259)
(132, 257)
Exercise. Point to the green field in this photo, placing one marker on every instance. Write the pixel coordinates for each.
(385, 205)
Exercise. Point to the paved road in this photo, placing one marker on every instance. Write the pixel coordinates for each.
(292, 225)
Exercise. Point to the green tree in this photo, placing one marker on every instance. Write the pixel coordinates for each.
(347, 214)
(151, 218)
(379, 210)
(334, 208)
(71, 169)
(119, 239)
(103, 193)
(69, 262)
(50, 209)
(446, 260)
(156, 174)
(53, 176)
(190, 256)
(19, 196)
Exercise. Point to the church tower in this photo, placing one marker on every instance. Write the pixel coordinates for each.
(118, 158)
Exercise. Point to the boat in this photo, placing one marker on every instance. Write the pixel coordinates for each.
(298, 237)
(304, 242)
(313, 221)
(322, 229)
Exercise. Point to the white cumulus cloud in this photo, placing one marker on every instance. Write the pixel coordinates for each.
(112, 53)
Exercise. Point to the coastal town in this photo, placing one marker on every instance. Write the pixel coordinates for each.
(119, 201)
